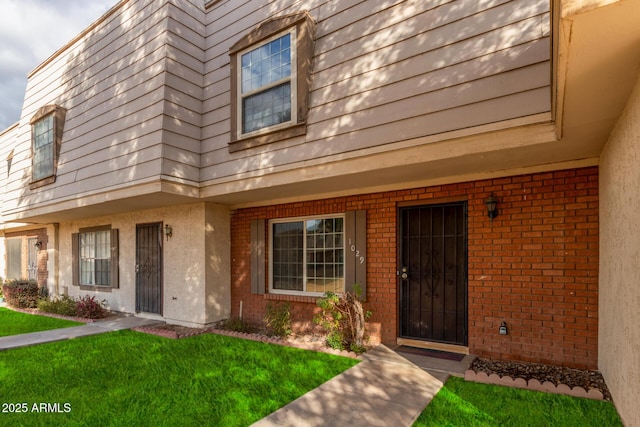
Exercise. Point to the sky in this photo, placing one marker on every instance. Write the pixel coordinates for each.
(30, 32)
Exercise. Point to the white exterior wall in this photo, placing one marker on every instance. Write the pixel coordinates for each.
(3, 258)
(7, 144)
(619, 313)
(195, 266)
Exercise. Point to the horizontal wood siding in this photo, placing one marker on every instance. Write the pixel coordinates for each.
(7, 144)
(132, 88)
(183, 90)
(111, 83)
(386, 72)
(147, 90)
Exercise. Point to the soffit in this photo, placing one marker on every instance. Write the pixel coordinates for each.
(598, 66)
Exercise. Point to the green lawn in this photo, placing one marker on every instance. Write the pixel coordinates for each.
(129, 378)
(14, 323)
(462, 403)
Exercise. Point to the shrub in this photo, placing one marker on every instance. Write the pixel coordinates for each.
(64, 305)
(89, 308)
(278, 319)
(21, 293)
(344, 319)
(43, 293)
(335, 339)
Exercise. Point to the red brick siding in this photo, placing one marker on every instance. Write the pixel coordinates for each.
(535, 266)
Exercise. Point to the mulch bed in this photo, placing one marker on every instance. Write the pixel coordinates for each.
(543, 373)
(304, 341)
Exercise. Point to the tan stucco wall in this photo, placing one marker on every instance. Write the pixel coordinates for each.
(217, 235)
(3, 257)
(619, 328)
(196, 277)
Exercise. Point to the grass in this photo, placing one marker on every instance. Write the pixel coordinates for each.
(462, 403)
(129, 378)
(14, 323)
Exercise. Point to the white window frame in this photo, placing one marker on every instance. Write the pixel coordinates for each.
(57, 114)
(293, 79)
(304, 251)
(48, 148)
(80, 258)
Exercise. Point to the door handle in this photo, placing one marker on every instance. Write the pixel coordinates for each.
(404, 274)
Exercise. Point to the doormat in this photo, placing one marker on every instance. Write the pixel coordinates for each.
(431, 353)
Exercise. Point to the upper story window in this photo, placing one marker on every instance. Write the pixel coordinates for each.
(270, 79)
(9, 162)
(46, 136)
(43, 148)
(267, 86)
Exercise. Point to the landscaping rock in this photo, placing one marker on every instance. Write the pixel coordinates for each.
(539, 377)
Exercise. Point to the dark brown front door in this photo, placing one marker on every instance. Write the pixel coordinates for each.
(433, 273)
(149, 268)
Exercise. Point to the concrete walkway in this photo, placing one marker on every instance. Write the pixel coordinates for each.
(385, 389)
(94, 328)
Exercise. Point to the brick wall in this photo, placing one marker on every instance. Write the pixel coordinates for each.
(535, 266)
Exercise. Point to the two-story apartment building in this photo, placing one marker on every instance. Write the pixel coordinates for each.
(469, 164)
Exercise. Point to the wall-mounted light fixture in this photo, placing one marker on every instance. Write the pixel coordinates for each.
(168, 231)
(492, 207)
(38, 244)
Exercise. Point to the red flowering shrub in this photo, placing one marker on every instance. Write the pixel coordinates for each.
(21, 293)
(89, 308)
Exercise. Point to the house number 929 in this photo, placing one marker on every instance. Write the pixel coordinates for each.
(356, 251)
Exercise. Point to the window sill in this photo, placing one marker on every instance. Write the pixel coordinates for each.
(42, 182)
(268, 138)
(292, 298)
(95, 288)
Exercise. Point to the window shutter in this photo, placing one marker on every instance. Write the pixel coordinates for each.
(114, 258)
(257, 256)
(75, 259)
(356, 251)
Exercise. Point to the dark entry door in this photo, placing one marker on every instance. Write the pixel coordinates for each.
(149, 268)
(433, 273)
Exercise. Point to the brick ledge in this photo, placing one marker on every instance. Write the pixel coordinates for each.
(532, 384)
(292, 298)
